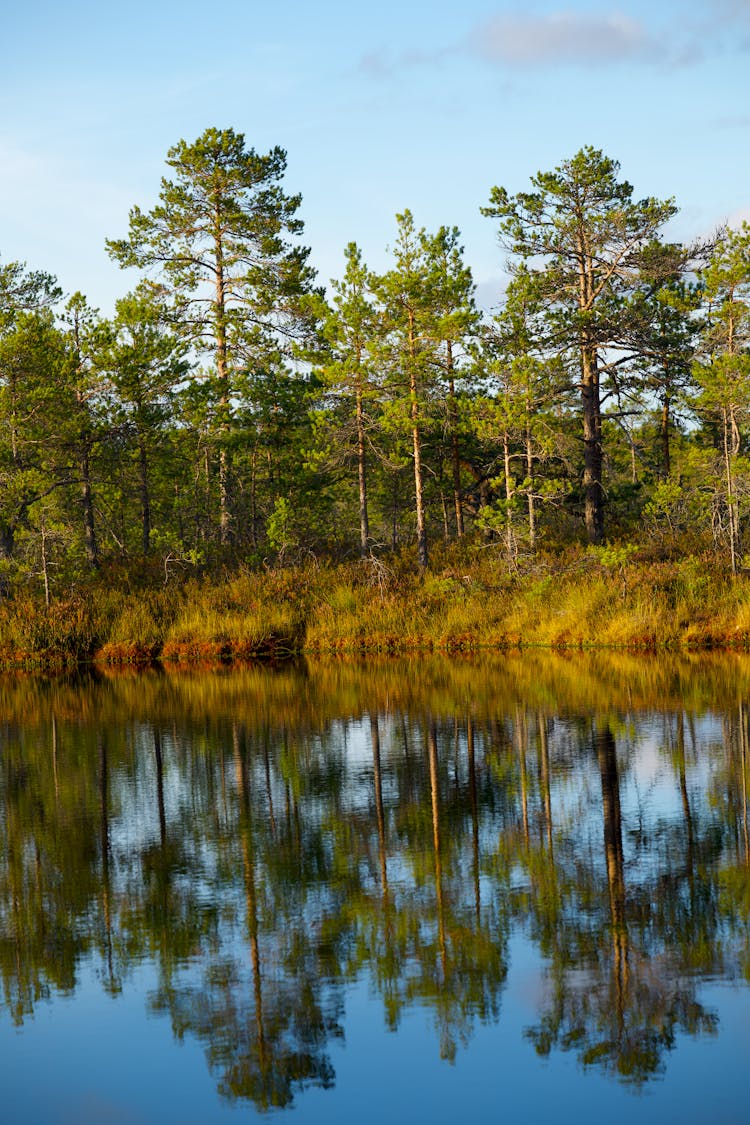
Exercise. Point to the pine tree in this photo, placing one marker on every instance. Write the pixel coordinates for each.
(83, 429)
(527, 413)
(29, 347)
(144, 362)
(218, 246)
(408, 343)
(583, 235)
(349, 330)
(34, 363)
(723, 368)
(23, 291)
(665, 329)
(456, 324)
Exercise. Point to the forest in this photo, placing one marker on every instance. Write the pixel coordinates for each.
(239, 437)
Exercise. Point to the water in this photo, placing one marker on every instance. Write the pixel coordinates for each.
(510, 889)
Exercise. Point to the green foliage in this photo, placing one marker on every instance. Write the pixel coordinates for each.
(231, 412)
(280, 528)
(584, 235)
(613, 557)
(218, 244)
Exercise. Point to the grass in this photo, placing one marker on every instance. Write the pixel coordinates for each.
(579, 599)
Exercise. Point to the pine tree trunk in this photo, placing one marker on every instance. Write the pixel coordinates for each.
(731, 501)
(87, 504)
(592, 447)
(222, 374)
(509, 492)
(731, 449)
(364, 523)
(145, 497)
(418, 485)
(417, 450)
(530, 502)
(225, 520)
(455, 452)
(484, 499)
(45, 566)
(254, 500)
(665, 423)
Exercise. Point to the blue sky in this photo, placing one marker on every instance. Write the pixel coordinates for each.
(422, 104)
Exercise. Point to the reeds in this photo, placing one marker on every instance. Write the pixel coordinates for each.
(578, 600)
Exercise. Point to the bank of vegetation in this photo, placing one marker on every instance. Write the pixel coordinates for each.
(241, 462)
(584, 598)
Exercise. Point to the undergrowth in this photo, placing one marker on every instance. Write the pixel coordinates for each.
(467, 601)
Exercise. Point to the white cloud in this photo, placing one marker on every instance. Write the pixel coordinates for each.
(381, 64)
(675, 35)
(561, 37)
(521, 39)
(731, 11)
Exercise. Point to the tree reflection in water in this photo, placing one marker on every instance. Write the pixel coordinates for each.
(264, 838)
(621, 1001)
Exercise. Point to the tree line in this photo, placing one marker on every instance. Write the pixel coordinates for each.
(232, 408)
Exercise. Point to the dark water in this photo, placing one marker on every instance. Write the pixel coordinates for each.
(514, 889)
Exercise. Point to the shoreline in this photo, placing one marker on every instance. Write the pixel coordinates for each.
(572, 604)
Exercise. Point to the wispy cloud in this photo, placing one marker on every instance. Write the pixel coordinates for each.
(677, 36)
(730, 11)
(712, 27)
(729, 20)
(381, 63)
(520, 39)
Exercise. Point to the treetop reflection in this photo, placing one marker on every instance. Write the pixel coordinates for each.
(262, 839)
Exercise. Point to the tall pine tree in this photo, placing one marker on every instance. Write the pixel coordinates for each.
(583, 235)
(220, 244)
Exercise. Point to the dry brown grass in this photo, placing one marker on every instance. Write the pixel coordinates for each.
(579, 600)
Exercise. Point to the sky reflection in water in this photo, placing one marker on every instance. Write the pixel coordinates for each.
(514, 888)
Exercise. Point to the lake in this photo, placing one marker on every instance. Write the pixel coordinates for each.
(508, 888)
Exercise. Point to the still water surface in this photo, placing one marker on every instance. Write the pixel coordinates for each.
(513, 889)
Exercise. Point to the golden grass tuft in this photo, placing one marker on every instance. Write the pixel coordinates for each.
(578, 600)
